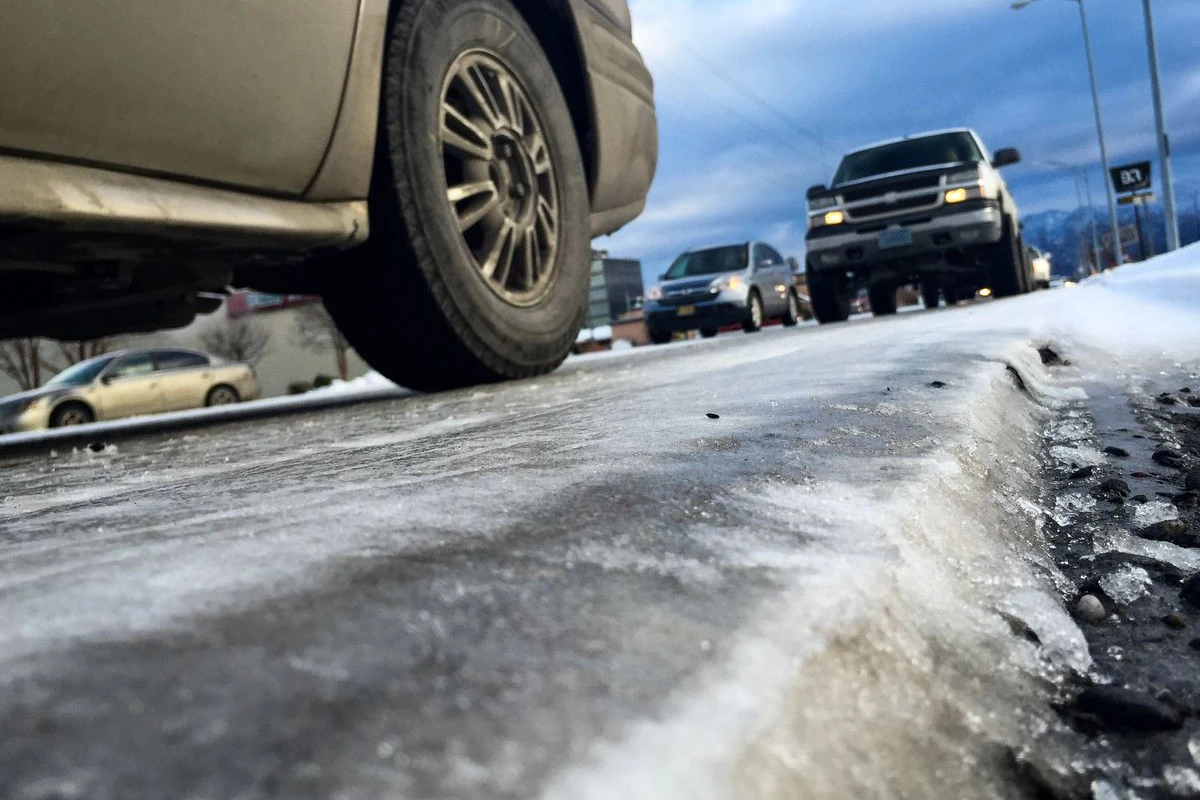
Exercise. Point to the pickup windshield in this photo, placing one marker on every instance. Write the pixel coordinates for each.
(709, 262)
(928, 151)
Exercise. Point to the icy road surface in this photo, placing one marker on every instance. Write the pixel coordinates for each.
(580, 587)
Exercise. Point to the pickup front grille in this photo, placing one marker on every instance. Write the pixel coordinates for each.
(880, 188)
(904, 204)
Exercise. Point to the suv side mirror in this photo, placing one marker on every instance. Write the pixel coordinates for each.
(816, 191)
(793, 264)
(1006, 157)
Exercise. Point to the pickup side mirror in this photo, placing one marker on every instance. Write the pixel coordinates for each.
(816, 191)
(1006, 157)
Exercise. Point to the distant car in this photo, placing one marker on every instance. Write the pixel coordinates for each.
(708, 289)
(1039, 265)
(128, 384)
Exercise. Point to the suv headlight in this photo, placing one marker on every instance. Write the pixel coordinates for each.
(729, 284)
(654, 293)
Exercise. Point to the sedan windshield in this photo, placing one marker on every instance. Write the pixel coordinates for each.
(82, 373)
(929, 151)
(710, 262)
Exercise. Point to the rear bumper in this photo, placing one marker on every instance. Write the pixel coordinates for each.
(714, 314)
(931, 240)
(625, 137)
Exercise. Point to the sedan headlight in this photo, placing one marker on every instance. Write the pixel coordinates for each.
(654, 293)
(729, 284)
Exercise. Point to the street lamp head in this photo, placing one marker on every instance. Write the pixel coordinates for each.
(1019, 4)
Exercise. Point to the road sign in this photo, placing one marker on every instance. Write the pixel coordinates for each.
(1133, 177)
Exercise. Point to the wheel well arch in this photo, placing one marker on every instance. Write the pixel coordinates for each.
(72, 401)
(553, 23)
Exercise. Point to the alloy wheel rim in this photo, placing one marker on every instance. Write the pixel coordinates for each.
(500, 178)
(222, 397)
(72, 418)
(756, 312)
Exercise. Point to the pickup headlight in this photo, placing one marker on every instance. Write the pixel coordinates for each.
(963, 176)
(729, 284)
(654, 293)
(822, 204)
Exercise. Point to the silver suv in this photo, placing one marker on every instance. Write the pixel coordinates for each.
(715, 287)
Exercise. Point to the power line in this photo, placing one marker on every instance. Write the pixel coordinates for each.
(814, 136)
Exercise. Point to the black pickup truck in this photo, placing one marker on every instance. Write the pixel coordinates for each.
(930, 210)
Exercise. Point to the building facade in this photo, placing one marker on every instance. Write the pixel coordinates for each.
(617, 288)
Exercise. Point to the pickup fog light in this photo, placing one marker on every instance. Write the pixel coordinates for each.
(835, 218)
(985, 292)
(956, 196)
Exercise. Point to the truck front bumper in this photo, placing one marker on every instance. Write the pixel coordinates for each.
(849, 249)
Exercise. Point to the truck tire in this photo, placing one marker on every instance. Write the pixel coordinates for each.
(661, 337)
(1006, 264)
(478, 262)
(883, 300)
(709, 333)
(830, 298)
(931, 295)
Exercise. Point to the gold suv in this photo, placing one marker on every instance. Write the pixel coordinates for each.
(435, 169)
(129, 384)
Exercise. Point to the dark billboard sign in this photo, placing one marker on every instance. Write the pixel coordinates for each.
(1132, 178)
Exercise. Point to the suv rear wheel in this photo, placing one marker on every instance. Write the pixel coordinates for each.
(477, 266)
(830, 297)
(755, 316)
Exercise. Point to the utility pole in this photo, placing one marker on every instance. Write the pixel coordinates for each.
(1164, 143)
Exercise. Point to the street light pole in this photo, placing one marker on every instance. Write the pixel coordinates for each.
(1164, 143)
(1118, 251)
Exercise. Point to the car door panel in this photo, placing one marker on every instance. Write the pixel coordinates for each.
(239, 92)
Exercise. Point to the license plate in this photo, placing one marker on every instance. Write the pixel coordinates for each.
(686, 311)
(895, 237)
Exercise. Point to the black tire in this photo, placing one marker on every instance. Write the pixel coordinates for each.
(661, 337)
(1006, 264)
(222, 395)
(830, 297)
(709, 333)
(755, 315)
(791, 317)
(883, 300)
(71, 414)
(931, 295)
(414, 301)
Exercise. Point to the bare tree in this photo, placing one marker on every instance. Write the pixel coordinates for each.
(74, 352)
(24, 362)
(317, 331)
(241, 340)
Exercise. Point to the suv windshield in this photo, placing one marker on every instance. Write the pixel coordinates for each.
(710, 262)
(929, 151)
(82, 373)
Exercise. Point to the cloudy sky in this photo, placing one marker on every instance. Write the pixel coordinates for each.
(757, 99)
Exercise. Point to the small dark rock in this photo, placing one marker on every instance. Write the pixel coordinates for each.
(97, 447)
(1194, 644)
(1174, 531)
(938, 385)
(1190, 593)
(1175, 622)
(1141, 498)
(1187, 500)
(1194, 402)
(1168, 400)
(713, 416)
(1118, 452)
(1192, 482)
(1113, 489)
(1113, 708)
(1185, 390)
(1169, 458)
(1082, 474)
(1142, 475)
